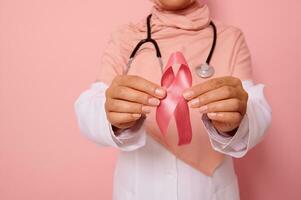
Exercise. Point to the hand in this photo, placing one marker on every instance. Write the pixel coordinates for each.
(129, 97)
(223, 100)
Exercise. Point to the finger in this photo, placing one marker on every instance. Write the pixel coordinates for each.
(122, 118)
(225, 117)
(141, 84)
(129, 94)
(228, 105)
(225, 92)
(125, 125)
(121, 106)
(130, 124)
(227, 128)
(209, 85)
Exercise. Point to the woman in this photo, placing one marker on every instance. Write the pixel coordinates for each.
(118, 110)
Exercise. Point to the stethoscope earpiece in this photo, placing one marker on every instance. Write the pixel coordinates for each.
(203, 71)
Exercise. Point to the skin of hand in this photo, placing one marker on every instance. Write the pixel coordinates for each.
(223, 99)
(175, 4)
(128, 98)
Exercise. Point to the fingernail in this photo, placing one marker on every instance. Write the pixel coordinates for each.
(187, 94)
(203, 109)
(153, 101)
(194, 102)
(146, 109)
(160, 92)
(211, 114)
(135, 115)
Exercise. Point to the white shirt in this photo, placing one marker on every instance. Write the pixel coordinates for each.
(145, 170)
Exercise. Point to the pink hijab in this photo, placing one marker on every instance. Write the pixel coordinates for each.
(186, 31)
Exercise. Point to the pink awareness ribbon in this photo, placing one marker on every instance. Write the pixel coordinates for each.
(174, 103)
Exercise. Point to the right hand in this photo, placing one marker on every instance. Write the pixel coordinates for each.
(129, 97)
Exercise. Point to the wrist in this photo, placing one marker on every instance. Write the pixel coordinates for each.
(117, 131)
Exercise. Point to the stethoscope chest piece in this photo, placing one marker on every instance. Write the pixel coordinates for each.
(204, 70)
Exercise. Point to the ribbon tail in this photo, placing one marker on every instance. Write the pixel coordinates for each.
(182, 118)
(163, 117)
(167, 105)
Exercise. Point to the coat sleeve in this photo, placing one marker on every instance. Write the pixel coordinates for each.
(90, 105)
(258, 116)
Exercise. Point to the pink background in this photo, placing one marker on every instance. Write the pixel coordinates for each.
(50, 52)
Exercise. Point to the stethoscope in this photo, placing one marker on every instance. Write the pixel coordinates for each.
(204, 70)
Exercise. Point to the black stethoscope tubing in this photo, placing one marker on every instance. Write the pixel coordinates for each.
(158, 52)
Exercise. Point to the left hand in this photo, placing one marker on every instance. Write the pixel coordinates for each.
(223, 99)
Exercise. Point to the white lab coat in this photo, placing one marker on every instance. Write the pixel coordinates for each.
(145, 170)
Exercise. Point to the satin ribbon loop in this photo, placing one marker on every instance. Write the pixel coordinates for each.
(174, 103)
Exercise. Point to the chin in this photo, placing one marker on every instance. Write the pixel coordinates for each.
(175, 4)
